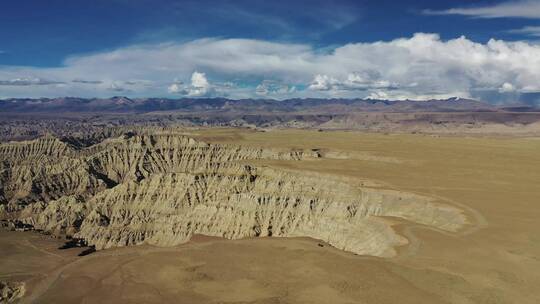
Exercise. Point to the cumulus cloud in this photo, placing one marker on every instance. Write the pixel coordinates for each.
(323, 83)
(368, 80)
(507, 87)
(199, 86)
(176, 88)
(423, 65)
(516, 9)
(356, 81)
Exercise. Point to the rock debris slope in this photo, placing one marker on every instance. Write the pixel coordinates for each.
(161, 189)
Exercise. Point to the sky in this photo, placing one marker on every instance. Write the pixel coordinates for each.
(480, 49)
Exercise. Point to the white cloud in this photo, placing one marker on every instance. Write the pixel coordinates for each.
(116, 87)
(533, 31)
(199, 86)
(404, 95)
(517, 9)
(323, 83)
(507, 87)
(175, 88)
(262, 90)
(352, 82)
(364, 81)
(272, 88)
(422, 65)
(360, 81)
(87, 81)
(28, 81)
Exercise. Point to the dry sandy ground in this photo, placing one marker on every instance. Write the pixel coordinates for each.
(495, 260)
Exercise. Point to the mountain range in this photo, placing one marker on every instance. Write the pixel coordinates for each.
(119, 104)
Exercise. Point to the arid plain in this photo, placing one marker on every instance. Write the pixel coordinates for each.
(493, 258)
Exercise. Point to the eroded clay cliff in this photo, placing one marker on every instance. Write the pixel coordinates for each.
(163, 188)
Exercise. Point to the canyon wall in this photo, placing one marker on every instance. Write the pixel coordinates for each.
(162, 188)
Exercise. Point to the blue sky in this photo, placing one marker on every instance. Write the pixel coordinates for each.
(271, 49)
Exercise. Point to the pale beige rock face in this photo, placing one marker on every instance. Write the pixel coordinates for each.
(11, 292)
(161, 189)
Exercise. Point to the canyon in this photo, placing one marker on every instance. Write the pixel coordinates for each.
(147, 214)
(161, 189)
